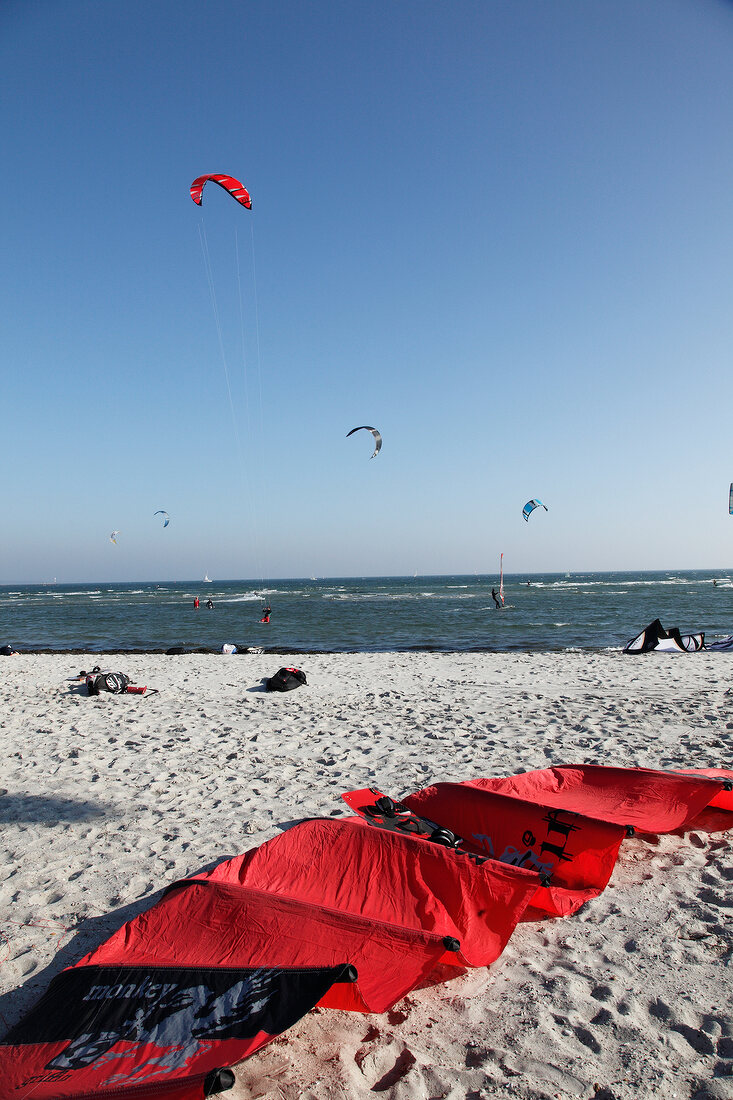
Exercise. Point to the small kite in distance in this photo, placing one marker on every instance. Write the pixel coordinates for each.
(375, 433)
(167, 519)
(234, 187)
(530, 507)
(113, 537)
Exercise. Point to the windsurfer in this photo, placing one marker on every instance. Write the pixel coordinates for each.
(495, 598)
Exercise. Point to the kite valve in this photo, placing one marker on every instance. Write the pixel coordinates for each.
(219, 1080)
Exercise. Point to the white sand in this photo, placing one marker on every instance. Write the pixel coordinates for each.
(109, 799)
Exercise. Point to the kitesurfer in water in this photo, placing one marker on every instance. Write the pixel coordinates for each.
(210, 603)
(195, 603)
(266, 612)
(495, 598)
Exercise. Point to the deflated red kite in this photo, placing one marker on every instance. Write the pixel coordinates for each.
(345, 913)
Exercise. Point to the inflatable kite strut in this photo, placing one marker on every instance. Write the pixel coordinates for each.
(348, 913)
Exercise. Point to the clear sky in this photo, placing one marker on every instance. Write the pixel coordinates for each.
(499, 231)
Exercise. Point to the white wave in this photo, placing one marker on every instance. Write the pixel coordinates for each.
(239, 599)
(616, 584)
(246, 597)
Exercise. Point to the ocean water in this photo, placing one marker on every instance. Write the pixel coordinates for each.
(444, 613)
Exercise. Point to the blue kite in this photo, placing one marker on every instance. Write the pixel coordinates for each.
(530, 507)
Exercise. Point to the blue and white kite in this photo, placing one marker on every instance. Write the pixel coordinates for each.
(167, 519)
(530, 507)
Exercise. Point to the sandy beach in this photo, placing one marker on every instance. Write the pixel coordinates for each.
(108, 799)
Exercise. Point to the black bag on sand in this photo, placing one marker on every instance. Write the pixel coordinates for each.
(116, 682)
(285, 679)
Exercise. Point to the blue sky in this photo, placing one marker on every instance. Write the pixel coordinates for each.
(501, 232)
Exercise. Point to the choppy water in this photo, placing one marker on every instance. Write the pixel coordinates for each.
(555, 612)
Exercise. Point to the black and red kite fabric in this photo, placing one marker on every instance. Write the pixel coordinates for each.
(337, 913)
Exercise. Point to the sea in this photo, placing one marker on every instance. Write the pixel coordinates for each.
(543, 612)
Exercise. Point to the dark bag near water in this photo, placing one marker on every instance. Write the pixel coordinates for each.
(116, 682)
(285, 679)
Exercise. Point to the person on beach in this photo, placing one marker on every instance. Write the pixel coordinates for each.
(495, 598)
(195, 603)
(210, 603)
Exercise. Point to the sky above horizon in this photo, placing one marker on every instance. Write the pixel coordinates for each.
(501, 233)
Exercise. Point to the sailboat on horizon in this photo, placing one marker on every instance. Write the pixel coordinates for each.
(207, 579)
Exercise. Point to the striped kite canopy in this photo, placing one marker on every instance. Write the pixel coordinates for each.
(234, 187)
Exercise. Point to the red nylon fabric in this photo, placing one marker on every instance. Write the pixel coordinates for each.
(321, 894)
(232, 925)
(154, 1057)
(394, 882)
(237, 190)
(331, 891)
(650, 801)
(334, 891)
(23, 1076)
(578, 852)
(723, 800)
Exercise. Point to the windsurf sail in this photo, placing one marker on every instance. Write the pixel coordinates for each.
(730, 500)
(501, 579)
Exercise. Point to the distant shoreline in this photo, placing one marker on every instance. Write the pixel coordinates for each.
(253, 650)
